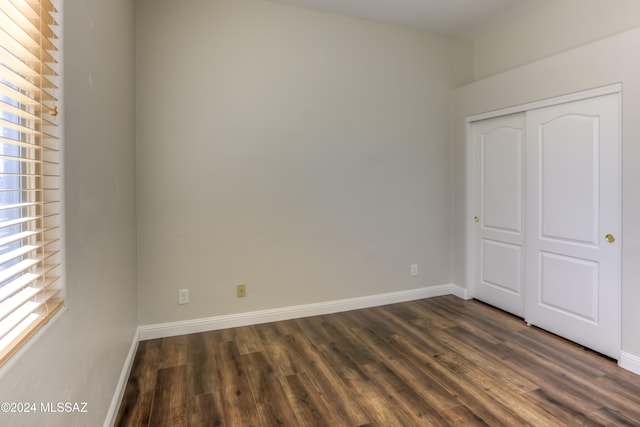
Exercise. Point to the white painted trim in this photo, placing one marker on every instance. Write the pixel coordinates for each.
(112, 413)
(162, 330)
(470, 209)
(577, 96)
(460, 292)
(630, 362)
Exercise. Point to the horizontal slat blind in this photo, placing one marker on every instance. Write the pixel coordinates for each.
(30, 291)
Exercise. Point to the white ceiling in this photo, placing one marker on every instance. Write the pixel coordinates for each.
(461, 18)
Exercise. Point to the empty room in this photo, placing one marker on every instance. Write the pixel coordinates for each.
(319, 212)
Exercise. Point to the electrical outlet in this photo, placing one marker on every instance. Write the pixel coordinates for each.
(242, 291)
(183, 296)
(414, 270)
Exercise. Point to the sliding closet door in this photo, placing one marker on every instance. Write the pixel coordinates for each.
(498, 150)
(573, 221)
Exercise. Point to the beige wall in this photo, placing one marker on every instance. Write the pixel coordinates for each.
(305, 154)
(80, 356)
(557, 28)
(612, 60)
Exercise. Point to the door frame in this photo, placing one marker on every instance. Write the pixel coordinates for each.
(471, 209)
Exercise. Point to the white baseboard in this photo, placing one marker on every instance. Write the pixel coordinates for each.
(162, 330)
(630, 362)
(112, 413)
(460, 292)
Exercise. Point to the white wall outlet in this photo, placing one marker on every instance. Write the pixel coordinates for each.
(414, 270)
(241, 291)
(183, 296)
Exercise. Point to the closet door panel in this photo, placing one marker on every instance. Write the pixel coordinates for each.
(573, 221)
(498, 147)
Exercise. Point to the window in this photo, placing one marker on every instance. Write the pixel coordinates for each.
(30, 182)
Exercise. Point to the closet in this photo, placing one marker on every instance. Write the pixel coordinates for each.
(544, 212)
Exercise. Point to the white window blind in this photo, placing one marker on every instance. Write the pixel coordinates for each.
(30, 192)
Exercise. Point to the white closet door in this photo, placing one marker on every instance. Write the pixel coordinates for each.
(498, 146)
(573, 221)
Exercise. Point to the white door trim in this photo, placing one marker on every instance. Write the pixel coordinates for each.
(469, 210)
(577, 96)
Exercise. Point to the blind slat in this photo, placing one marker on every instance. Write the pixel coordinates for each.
(22, 220)
(33, 30)
(9, 76)
(14, 63)
(17, 316)
(19, 113)
(16, 285)
(19, 74)
(21, 251)
(23, 55)
(38, 11)
(17, 300)
(50, 280)
(13, 271)
(17, 205)
(18, 236)
(27, 130)
(23, 144)
(24, 34)
(33, 97)
(24, 250)
(19, 159)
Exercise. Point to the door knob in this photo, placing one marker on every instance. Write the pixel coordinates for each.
(476, 219)
(610, 238)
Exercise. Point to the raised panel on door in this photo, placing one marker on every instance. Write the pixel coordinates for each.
(573, 202)
(498, 147)
(568, 149)
(569, 285)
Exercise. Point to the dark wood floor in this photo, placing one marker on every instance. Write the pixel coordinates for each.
(440, 361)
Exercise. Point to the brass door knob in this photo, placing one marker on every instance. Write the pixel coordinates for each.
(476, 219)
(610, 238)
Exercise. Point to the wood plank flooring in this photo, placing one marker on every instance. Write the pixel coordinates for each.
(434, 362)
